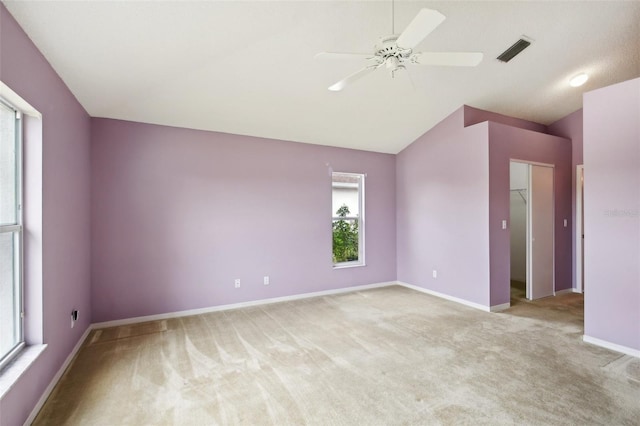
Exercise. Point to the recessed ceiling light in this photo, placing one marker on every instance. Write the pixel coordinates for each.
(578, 80)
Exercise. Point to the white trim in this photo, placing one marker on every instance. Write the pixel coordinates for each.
(342, 185)
(530, 264)
(56, 378)
(534, 163)
(17, 101)
(612, 346)
(351, 264)
(499, 308)
(360, 218)
(447, 297)
(565, 291)
(527, 251)
(578, 228)
(10, 373)
(362, 225)
(10, 228)
(16, 228)
(218, 308)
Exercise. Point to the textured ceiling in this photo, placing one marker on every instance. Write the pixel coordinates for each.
(248, 67)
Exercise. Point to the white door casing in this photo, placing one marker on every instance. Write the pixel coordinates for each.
(540, 238)
(579, 237)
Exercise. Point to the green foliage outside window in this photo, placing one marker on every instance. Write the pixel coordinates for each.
(345, 237)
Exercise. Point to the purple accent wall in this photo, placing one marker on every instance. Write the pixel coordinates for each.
(510, 143)
(612, 213)
(65, 212)
(443, 210)
(570, 127)
(178, 214)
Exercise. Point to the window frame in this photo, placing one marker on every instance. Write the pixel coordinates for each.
(17, 229)
(360, 218)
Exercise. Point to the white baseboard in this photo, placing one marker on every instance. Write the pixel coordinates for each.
(11, 373)
(447, 297)
(56, 377)
(613, 346)
(565, 291)
(190, 312)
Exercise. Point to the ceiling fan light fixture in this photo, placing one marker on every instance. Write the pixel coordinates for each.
(578, 80)
(392, 63)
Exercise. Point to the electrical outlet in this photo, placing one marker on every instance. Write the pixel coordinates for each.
(237, 282)
(265, 281)
(435, 274)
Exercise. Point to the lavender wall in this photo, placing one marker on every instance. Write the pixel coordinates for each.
(178, 214)
(570, 127)
(508, 143)
(443, 210)
(612, 214)
(474, 115)
(65, 211)
(453, 193)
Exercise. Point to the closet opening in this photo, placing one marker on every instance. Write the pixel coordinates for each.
(518, 184)
(531, 215)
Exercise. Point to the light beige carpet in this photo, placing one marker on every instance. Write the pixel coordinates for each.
(389, 356)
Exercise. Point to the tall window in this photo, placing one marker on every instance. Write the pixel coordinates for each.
(348, 219)
(11, 332)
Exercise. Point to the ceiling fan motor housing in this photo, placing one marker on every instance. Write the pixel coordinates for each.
(387, 47)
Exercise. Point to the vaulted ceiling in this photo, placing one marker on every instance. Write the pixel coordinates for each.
(248, 67)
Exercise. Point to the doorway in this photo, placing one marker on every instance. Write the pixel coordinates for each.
(531, 230)
(519, 193)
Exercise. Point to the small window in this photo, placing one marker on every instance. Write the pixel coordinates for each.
(11, 330)
(348, 219)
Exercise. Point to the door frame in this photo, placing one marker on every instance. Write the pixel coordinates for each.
(529, 242)
(579, 228)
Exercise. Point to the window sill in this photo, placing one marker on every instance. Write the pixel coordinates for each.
(348, 265)
(10, 375)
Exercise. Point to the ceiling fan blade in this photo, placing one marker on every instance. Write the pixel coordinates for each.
(353, 77)
(340, 56)
(452, 59)
(425, 21)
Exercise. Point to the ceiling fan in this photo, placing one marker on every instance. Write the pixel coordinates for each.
(394, 51)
